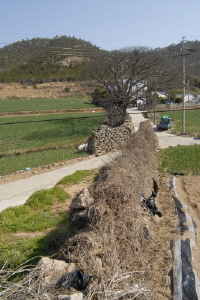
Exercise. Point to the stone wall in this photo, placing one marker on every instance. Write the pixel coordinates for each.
(108, 139)
(166, 107)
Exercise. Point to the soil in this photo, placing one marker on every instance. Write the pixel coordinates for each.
(44, 90)
(189, 193)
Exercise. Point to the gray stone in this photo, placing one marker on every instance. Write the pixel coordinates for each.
(79, 219)
(83, 200)
(51, 270)
(76, 296)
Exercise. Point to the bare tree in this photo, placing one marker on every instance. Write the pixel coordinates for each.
(122, 77)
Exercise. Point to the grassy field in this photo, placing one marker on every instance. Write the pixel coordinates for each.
(20, 105)
(192, 123)
(32, 144)
(43, 220)
(180, 159)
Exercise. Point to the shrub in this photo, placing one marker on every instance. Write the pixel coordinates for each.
(67, 89)
(98, 95)
(178, 100)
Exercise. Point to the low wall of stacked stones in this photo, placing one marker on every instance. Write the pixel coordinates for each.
(107, 139)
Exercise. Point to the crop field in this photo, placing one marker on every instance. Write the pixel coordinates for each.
(19, 105)
(192, 120)
(181, 159)
(36, 140)
(44, 131)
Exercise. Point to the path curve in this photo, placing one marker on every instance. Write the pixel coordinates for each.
(165, 138)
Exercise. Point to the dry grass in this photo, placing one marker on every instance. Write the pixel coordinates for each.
(112, 246)
(113, 242)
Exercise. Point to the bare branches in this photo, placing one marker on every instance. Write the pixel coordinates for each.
(117, 287)
(125, 76)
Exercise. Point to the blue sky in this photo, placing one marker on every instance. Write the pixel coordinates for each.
(109, 24)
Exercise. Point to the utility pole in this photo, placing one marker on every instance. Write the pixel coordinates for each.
(184, 52)
(155, 94)
(183, 106)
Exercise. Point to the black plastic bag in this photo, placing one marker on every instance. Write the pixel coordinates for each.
(77, 279)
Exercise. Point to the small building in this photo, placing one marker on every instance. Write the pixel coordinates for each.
(189, 97)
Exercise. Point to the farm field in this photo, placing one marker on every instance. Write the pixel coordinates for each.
(192, 120)
(21, 105)
(36, 140)
(180, 159)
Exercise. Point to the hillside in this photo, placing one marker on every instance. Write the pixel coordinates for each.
(43, 59)
(65, 58)
(192, 61)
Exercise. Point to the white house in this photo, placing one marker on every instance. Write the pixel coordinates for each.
(189, 97)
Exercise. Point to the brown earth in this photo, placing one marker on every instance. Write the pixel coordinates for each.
(189, 193)
(44, 90)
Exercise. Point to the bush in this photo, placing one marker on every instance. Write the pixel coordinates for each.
(99, 97)
(178, 100)
(67, 89)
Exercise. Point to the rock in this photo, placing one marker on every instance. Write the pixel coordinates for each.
(82, 146)
(45, 296)
(52, 270)
(83, 200)
(76, 296)
(79, 219)
(161, 147)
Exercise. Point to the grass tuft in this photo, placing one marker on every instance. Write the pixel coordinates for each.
(75, 178)
(43, 198)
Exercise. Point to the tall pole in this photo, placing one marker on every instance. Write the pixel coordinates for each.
(183, 105)
(155, 93)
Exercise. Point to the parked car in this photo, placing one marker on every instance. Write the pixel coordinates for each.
(165, 123)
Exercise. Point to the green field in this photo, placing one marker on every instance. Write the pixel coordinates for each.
(45, 209)
(20, 105)
(180, 159)
(32, 144)
(192, 120)
(63, 129)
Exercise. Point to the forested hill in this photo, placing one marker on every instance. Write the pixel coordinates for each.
(42, 58)
(192, 55)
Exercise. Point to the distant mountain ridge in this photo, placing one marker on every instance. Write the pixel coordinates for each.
(42, 59)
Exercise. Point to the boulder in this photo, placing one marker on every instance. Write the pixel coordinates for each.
(76, 296)
(51, 270)
(83, 200)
